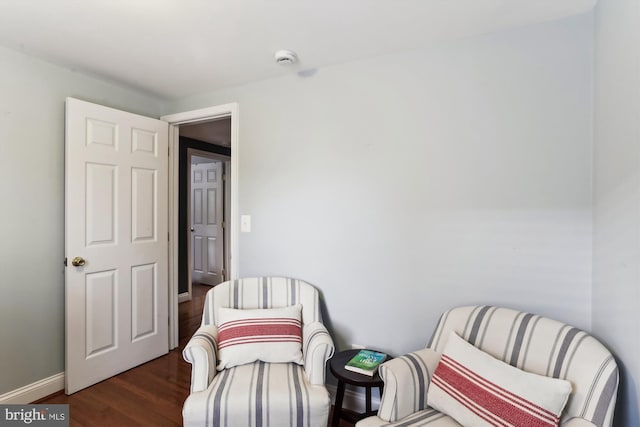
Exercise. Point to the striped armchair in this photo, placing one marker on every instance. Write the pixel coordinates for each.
(530, 342)
(259, 393)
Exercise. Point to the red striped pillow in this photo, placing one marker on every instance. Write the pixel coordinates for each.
(272, 335)
(477, 389)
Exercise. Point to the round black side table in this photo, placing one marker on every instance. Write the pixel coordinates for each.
(336, 365)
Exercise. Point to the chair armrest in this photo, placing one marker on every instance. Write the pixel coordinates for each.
(317, 348)
(406, 381)
(201, 352)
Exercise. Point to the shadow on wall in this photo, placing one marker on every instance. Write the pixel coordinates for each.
(326, 319)
(627, 414)
(340, 340)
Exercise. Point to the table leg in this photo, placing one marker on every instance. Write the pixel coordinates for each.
(368, 400)
(337, 408)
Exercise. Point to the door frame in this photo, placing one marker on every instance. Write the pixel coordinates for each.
(226, 214)
(175, 120)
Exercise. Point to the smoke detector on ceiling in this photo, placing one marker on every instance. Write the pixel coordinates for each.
(286, 57)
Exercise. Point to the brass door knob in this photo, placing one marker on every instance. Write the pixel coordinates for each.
(78, 261)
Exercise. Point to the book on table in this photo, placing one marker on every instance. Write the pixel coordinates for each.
(366, 362)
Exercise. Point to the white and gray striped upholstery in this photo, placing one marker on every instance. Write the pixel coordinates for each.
(259, 394)
(530, 342)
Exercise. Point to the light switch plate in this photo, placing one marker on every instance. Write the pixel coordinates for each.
(245, 223)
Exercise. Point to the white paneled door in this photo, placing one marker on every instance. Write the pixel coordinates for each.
(116, 188)
(207, 252)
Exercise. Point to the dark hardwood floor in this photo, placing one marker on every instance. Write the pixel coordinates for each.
(148, 395)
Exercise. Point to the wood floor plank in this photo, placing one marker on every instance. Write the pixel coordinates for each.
(132, 402)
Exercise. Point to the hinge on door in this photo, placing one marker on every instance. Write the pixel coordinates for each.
(168, 236)
(224, 176)
(223, 224)
(222, 274)
(65, 261)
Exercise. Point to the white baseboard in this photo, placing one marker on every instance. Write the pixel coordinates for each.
(185, 296)
(34, 391)
(355, 400)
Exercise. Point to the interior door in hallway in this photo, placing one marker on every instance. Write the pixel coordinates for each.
(116, 242)
(207, 217)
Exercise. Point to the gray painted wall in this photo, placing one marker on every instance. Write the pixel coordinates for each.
(32, 191)
(403, 185)
(616, 243)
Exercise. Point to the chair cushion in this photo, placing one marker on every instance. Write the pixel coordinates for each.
(268, 394)
(271, 335)
(477, 389)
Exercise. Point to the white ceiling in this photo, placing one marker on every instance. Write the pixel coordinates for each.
(214, 132)
(175, 48)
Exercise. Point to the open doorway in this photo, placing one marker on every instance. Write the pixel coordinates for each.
(176, 121)
(203, 212)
